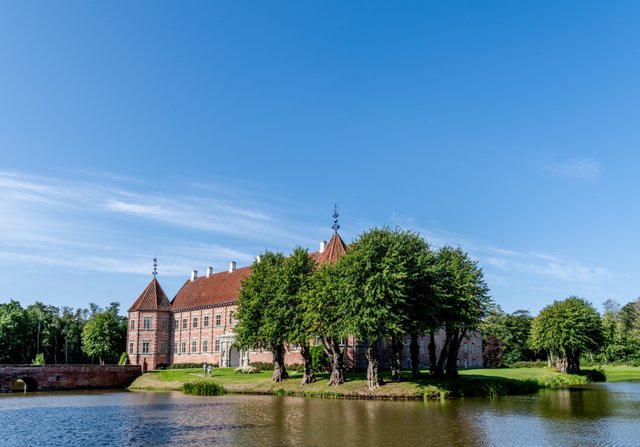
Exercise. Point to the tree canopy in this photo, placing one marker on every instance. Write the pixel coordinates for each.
(566, 329)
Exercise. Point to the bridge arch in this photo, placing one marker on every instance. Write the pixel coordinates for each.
(28, 384)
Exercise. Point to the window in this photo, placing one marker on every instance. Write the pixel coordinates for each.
(218, 319)
(195, 321)
(163, 347)
(217, 345)
(130, 347)
(145, 347)
(176, 324)
(175, 347)
(133, 324)
(194, 346)
(184, 323)
(184, 347)
(206, 321)
(205, 346)
(230, 317)
(464, 348)
(165, 325)
(146, 323)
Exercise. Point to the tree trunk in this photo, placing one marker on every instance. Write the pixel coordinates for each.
(308, 376)
(279, 371)
(373, 379)
(568, 362)
(444, 352)
(433, 360)
(396, 358)
(414, 348)
(333, 351)
(454, 347)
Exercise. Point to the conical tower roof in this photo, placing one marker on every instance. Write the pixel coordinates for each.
(336, 248)
(153, 298)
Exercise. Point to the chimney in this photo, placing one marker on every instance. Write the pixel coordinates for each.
(323, 246)
(209, 271)
(258, 259)
(194, 275)
(232, 266)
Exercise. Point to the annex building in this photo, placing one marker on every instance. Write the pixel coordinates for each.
(197, 325)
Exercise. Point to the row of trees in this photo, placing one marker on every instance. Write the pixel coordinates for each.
(388, 284)
(60, 335)
(562, 333)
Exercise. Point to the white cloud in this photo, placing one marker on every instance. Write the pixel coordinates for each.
(579, 168)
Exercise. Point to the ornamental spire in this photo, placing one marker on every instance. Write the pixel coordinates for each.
(155, 266)
(335, 225)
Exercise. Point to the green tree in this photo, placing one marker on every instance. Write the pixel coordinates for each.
(326, 316)
(385, 272)
(262, 317)
(297, 272)
(102, 337)
(512, 331)
(566, 329)
(16, 334)
(463, 300)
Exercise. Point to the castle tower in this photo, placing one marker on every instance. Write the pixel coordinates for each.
(150, 325)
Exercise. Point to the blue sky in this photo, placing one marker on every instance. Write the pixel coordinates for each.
(206, 132)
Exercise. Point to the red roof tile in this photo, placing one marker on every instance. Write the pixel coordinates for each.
(221, 287)
(153, 298)
(336, 248)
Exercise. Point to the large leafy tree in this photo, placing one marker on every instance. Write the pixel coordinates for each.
(326, 316)
(384, 272)
(104, 336)
(263, 319)
(566, 329)
(16, 334)
(462, 297)
(296, 275)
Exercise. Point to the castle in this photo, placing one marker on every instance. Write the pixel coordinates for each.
(197, 326)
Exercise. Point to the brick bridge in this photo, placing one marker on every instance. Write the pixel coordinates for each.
(66, 377)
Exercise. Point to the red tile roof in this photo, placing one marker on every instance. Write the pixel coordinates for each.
(221, 287)
(153, 298)
(336, 248)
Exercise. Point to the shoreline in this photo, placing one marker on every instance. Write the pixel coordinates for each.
(471, 383)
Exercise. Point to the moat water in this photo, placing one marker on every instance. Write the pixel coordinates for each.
(594, 415)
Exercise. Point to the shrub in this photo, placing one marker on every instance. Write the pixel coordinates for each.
(39, 360)
(263, 366)
(203, 388)
(536, 364)
(124, 359)
(247, 370)
(191, 365)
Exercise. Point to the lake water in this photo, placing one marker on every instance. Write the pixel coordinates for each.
(594, 415)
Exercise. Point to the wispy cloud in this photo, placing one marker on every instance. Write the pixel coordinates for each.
(77, 225)
(579, 168)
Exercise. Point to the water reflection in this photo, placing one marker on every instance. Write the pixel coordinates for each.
(602, 414)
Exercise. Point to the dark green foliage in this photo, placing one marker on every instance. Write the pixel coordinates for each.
(104, 336)
(533, 364)
(189, 366)
(203, 388)
(566, 329)
(319, 359)
(512, 331)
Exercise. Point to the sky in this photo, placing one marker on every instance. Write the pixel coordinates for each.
(208, 132)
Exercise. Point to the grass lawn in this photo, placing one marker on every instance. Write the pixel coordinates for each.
(472, 382)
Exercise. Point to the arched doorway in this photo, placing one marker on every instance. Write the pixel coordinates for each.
(234, 357)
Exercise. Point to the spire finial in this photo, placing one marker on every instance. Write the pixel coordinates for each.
(155, 266)
(335, 226)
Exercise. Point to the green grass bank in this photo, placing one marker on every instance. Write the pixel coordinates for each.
(471, 383)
